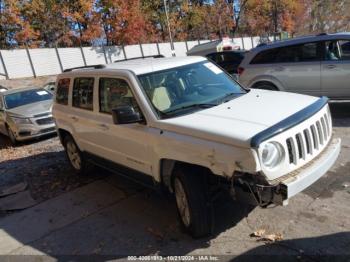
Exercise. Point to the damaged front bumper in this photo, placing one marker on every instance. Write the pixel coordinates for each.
(255, 190)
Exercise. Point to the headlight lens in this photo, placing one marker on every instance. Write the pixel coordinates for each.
(21, 121)
(272, 154)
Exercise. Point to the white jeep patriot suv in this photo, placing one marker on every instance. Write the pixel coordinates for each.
(183, 124)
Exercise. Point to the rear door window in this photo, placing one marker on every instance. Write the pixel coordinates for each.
(309, 52)
(265, 57)
(83, 93)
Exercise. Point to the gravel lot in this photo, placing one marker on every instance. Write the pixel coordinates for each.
(115, 217)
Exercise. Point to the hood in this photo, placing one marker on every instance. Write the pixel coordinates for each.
(238, 120)
(33, 109)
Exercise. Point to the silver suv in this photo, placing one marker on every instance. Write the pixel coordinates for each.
(313, 65)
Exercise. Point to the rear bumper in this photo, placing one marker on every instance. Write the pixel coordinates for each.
(310, 174)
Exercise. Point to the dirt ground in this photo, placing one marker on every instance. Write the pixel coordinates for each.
(104, 215)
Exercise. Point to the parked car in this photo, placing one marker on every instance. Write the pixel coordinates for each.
(25, 113)
(313, 65)
(2, 88)
(184, 125)
(50, 86)
(225, 44)
(228, 60)
(224, 53)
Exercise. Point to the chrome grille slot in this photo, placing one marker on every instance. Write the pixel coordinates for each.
(319, 131)
(300, 144)
(325, 131)
(308, 141)
(314, 136)
(327, 124)
(291, 150)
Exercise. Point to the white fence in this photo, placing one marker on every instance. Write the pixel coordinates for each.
(19, 63)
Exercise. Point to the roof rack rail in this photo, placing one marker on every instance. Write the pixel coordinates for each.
(321, 34)
(141, 57)
(83, 67)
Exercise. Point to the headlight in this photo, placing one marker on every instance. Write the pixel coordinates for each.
(21, 121)
(272, 154)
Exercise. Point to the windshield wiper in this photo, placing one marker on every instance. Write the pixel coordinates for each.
(201, 105)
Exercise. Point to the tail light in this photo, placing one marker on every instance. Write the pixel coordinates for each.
(240, 70)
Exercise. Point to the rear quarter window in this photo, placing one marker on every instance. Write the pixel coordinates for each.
(307, 52)
(62, 91)
(265, 57)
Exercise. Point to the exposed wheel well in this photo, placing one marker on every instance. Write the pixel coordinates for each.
(169, 166)
(7, 128)
(62, 134)
(267, 85)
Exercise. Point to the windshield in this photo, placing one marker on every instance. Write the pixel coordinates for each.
(26, 97)
(196, 86)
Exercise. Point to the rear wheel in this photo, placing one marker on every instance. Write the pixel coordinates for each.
(265, 86)
(192, 204)
(75, 156)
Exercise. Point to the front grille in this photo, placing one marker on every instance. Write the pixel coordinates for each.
(45, 121)
(307, 143)
(47, 130)
(43, 114)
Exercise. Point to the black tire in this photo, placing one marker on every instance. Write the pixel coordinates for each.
(195, 188)
(265, 86)
(11, 136)
(80, 165)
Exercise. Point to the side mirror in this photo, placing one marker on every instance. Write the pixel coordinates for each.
(125, 115)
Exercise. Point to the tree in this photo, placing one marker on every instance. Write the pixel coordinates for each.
(326, 16)
(238, 9)
(80, 16)
(15, 29)
(271, 16)
(46, 19)
(123, 22)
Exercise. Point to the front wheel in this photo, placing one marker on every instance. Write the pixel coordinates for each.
(192, 204)
(75, 156)
(12, 136)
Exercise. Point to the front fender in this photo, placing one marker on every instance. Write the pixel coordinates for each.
(220, 159)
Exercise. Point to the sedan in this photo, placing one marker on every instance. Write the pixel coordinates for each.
(25, 113)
